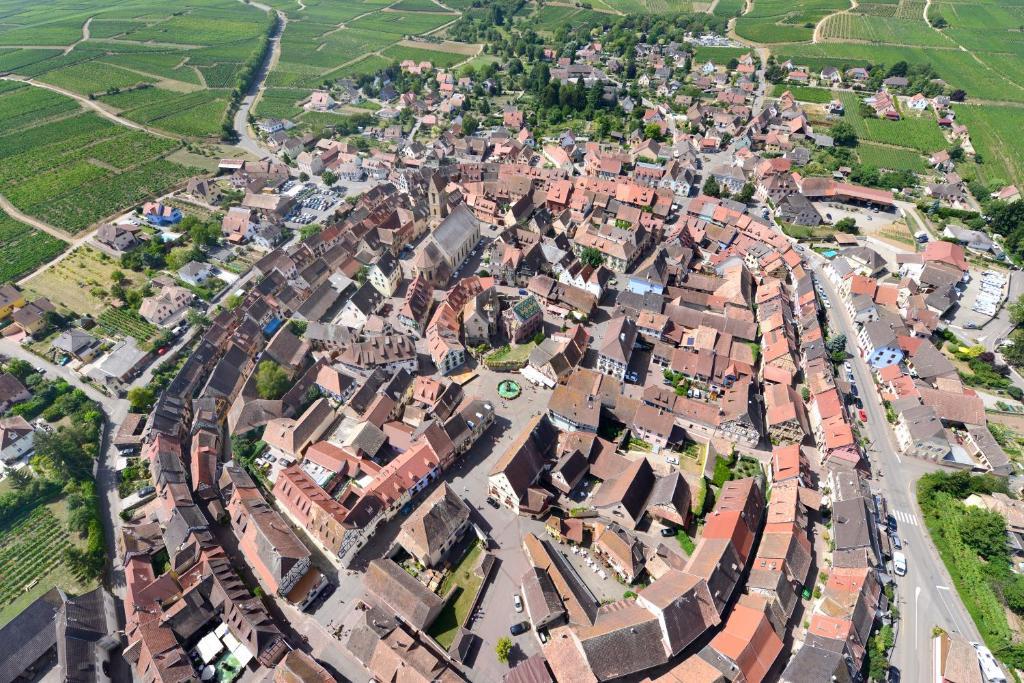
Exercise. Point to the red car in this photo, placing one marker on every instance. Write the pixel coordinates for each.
(863, 416)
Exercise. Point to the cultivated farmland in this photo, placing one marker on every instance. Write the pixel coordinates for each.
(32, 560)
(200, 45)
(72, 169)
(23, 248)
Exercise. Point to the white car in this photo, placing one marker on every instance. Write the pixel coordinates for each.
(671, 460)
(899, 563)
(517, 602)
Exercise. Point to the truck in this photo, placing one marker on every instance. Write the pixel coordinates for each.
(899, 563)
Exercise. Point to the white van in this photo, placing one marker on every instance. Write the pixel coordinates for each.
(899, 563)
(989, 666)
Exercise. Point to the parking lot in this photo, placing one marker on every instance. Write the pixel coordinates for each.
(313, 203)
(981, 299)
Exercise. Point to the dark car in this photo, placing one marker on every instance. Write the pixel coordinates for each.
(520, 628)
(668, 531)
(891, 523)
(493, 503)
(896, 542)
(894, 675)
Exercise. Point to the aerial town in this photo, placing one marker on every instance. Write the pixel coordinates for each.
(452, 397)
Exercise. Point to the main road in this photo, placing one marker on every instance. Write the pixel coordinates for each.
(926, 597)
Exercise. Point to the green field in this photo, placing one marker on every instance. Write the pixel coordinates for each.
(72, 169)
(23, 248)
(996, 135)
(784, 21)
(916, 132)
(197, 45)
(891, 158)
(804, 93)
(32, 560)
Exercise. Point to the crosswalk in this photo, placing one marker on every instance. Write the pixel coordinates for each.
(904, 517)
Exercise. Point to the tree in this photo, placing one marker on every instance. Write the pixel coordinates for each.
(836, 343)
(469, 124)
(329, 178)
(503, 649)
(843, 134)
(711, 187)
(591, 256)
(847, 225)
(204, 234)
(271, 380)
(1017, 311)
(985, 532)
(140, 399)
(303, 176)
(746, 193)
(652, 131)
(117, 277)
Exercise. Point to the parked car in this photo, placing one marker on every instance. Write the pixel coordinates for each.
(493, 503)
(146, 491)
(520, 628)
(890, 522)
(848, 367)
(517, 602)
(896, 542)
(668, 531)
(899, 563)
(672, 460)
(863, 416)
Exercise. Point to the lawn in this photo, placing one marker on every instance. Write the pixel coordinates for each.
(463, 579)
(510, 355)
(80, 283)
(32, 559)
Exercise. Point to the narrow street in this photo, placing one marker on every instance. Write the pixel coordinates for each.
(926, 596)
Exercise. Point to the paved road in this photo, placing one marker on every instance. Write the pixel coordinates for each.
(246, 139)
(925, 596)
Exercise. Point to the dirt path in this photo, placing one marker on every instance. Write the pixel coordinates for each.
(12, 211)
(85, 36)
(92, 104)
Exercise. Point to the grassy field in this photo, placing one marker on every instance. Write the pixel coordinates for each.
(80, 283)
(32, 559)
(23, 248)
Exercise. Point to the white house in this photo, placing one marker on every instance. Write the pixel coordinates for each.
(195, 273)
(166, 306)
(386, 274)
(17, 438)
